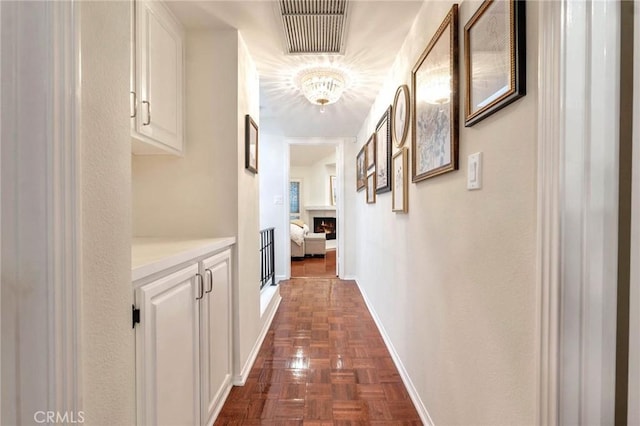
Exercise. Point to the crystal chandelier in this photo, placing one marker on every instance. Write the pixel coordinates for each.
(322, 85)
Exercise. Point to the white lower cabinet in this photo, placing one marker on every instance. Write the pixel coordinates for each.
(215, 349)
(183, 343)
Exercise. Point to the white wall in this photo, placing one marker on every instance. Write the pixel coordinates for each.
(195, 196)
(107, 338)
(249, 322)
(273, 210)
(453, 281)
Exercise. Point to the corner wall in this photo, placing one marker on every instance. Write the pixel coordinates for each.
(453, 281)
(273, 185)
(247, 307)
(107, 346)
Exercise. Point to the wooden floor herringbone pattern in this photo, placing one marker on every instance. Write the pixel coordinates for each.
(323, 362)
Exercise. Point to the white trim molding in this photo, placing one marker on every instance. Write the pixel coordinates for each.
(579, 81)
(40, 202)
(241, 377)
(633, 403)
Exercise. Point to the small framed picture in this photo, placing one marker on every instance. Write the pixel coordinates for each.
(434, 115)
(370, 149)
(495, 58)
(383, 153)
(371, 187)
(361, 169)
(250, 144)
(400, 163)
(400, 122)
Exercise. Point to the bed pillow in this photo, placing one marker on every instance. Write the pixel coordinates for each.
(297, 234)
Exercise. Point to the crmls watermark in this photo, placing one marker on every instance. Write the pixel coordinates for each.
(66, 417)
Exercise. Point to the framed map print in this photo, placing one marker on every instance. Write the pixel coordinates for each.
(434, 84)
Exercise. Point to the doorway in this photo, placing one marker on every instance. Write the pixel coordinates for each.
(314, 179)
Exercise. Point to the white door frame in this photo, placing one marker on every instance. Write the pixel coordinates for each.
(339, 144)
(40, 205)
(578, 129)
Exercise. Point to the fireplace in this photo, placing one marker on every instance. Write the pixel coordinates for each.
(326, 225)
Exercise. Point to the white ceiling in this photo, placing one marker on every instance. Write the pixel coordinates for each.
(305, 155)
(375, 33)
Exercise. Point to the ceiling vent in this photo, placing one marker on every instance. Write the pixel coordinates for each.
(314, 26)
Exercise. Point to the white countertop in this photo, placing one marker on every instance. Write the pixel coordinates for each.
(150, 255)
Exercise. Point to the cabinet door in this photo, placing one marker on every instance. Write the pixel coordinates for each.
(215, 334)
(160, 76)
(167, 350)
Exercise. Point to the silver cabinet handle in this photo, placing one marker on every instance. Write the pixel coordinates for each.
(148, 113)
(208, 271)
(134, 104)
(200, 286)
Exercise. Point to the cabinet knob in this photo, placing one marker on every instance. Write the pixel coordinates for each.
(146, 123)
(210, 274)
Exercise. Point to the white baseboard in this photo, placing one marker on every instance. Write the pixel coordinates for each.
(222, 399)
(413, 393)
(350, 277)
(280, 278)
(241, 379)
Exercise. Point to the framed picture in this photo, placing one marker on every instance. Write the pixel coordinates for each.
(495, 58)
(371, 187)
(434, 84)
(399, 165)
(370, 149)
(400, 122)
(361, 169)
(250, 144)
(383, 153)
(332, 190)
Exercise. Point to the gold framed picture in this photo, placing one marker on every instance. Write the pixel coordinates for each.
(370, 149)
(400, 181)
(495, 58)
(434, 84)
(401, 113)
(371, 187)
(361, 169)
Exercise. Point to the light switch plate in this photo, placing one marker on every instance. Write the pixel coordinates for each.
(474, 171)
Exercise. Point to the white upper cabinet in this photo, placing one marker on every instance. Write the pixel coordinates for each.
(158, 78)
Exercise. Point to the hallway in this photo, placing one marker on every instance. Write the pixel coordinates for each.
(323, 362)
(316, 267)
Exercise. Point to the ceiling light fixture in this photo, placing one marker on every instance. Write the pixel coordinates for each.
(322, 85)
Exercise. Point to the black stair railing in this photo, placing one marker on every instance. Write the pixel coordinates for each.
(267, 257)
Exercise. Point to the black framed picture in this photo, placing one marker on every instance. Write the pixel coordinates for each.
(250, 144)
(383, 153)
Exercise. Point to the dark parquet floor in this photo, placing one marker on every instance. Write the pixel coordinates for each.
(323, 362)
(315, 266)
